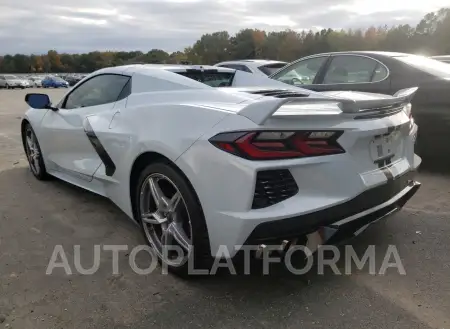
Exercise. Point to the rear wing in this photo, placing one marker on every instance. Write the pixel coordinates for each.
(260, 111)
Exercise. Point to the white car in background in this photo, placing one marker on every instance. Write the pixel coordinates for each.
(256, 66)
(25, 82)
(200, 168)
(35, 81)
(10, 81)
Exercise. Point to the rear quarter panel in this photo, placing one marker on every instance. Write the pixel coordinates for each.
(169, 130)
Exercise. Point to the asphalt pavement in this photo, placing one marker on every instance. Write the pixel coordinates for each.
(36, 216)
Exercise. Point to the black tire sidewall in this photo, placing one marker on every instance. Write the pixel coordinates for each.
(201, 256)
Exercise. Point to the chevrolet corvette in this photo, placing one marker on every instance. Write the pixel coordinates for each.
(206, 157)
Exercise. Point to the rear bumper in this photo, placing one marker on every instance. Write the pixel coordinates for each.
(365, 208)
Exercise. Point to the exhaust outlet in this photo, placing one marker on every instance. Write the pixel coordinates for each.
(281, 249)
(259, 252)
(284, 245)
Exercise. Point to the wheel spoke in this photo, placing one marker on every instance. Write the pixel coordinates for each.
(36, 162)
(160, 199)
(153, 218)
(177, 232)
(166, 238)
(174, 202)
(30, 143)
(165, 219)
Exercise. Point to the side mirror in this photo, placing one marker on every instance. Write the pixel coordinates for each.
(39, 101)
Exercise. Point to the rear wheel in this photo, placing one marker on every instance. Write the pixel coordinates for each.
(34, 154)
(172, 219)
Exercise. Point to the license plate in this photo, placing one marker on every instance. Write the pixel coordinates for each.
(382, 147)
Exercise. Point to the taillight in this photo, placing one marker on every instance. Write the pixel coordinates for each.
(274, 145)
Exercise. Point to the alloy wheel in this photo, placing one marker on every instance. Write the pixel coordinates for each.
(32, 150)
(165, 219)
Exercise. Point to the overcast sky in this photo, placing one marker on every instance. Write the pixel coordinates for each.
(34, 26)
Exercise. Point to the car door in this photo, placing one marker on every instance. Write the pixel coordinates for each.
(68, 144)
(356, 73)
(303, 73)
(2, 81)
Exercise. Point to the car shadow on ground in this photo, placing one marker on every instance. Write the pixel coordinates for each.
(38, 215)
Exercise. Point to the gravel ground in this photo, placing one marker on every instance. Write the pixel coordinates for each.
(36, 216)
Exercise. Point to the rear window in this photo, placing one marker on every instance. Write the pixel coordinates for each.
(271, 68)
(428, 65)
(212, 78)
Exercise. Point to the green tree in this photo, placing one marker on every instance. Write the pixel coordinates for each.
(430, 36)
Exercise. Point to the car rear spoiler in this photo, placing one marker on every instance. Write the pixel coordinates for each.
(260, 111)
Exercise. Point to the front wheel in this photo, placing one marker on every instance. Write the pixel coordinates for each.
(34, 153)
(172, 219)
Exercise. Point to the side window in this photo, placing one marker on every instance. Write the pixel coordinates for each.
(302, 72)
(354, 69)
(237, 67)
(380, 73)
(101, 89)
(230, 66)
(126, 91)
(243, 68)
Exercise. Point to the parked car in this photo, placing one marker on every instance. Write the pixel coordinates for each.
(25, 82)
(73, 79)
(54, 82)
(385, 73)
(35, 81)
(10, 81)
(444, 58)
(202, 168)
(255, 66)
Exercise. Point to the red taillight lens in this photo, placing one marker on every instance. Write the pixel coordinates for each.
(271, 145)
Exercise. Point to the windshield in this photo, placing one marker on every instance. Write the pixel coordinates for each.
(427, 65)
(58, 79)
(11, 77)
(212, 78)
(271, 68)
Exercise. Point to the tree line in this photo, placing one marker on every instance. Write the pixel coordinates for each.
(431, 36)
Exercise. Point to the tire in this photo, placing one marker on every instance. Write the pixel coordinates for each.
(37, 169)
(200, 255)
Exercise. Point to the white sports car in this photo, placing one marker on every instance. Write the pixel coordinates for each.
(200, 167)
(256, 66)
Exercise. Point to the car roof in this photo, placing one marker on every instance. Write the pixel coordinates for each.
(365, 52)
(166, 67)
(253, 61)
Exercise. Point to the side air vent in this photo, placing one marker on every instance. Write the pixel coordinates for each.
(273, 186)
(279, 93)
